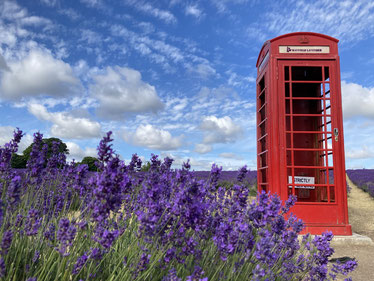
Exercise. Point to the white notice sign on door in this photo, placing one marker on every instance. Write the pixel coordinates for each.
(302, 180)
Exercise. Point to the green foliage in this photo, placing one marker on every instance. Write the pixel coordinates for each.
(63, 148)
(18, 161)
(90, 162)
(146, 167)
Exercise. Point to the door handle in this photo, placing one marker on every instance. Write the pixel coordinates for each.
(336, 133)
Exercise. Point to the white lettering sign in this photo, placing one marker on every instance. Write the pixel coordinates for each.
(304, 49)
(302, 180)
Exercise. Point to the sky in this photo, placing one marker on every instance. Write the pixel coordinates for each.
(172, 78)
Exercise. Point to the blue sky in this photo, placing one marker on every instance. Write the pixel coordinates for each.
(174, 78)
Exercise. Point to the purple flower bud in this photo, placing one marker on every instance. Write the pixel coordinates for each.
(36, 256)
(14, 191)
(242, 174)
(6, 242)
(81, 261)
(33, 223)
(2, 268)
(65, 234)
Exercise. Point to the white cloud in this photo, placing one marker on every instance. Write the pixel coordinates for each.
(230, 155)
(193, 10)
(349, 20)
(203, 70)
(90, 37)
(357, 100)
(360, 153)
(38, 74)
(203, 148)
(65, 125)
(49, 2)
(77, 153)
(147, 8)
(219, 130)
(121, 91)
(153, 138)
(3, 64)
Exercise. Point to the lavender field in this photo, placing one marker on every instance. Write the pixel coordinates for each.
(363, 178)
(59, 222)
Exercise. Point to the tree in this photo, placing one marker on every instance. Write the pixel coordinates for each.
(18, 161)
(62, 148)
(90, 161)
(146, 167)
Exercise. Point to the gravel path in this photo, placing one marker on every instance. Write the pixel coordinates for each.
(361, 217)
(361, 211)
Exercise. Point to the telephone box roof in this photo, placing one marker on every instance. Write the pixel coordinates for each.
(294, 35)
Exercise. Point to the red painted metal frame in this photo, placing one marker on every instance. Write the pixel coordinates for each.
(327, 206)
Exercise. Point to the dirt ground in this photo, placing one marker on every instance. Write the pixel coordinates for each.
(361, 217)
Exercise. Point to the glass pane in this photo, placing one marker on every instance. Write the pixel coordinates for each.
(307, 123)
(306, 73)
(327, 73)
(307, 140)
(286, 73)
(332, 193)
(287, 90)
(306, 106)
(306, 90)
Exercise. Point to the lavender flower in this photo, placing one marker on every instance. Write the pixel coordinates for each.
(172, 276)
(81, 261)
(2, 267)
(36, 257)
(105, 237)
(33, 222)
(105, 151)
(14, 190)
(8, 150)
(242, 173)
(1, 213)
(65, 234)
(6, 242)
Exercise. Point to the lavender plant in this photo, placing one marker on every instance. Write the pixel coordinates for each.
(60, 222)
(363, 178)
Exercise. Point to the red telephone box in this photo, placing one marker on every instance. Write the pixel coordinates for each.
(300, 146)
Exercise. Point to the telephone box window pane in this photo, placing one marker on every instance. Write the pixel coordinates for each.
(263, 162)
(289, 157)
(312, 90)
(306, 73)
(306, 106)
(286, 73)
(288, 140)
(330, 160)
(263, 144)
(262, 83)
(327, 73)
(263, 129)
(287, 106)
(262, 99)
(287, 90)
(307, 140)
(262, 113)
(264, 175)
(288, 123)
(327, 90)
(307, 123)
(331, 176)
(332, 193)
(306, 158)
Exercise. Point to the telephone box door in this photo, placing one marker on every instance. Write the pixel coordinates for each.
(310, 139)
